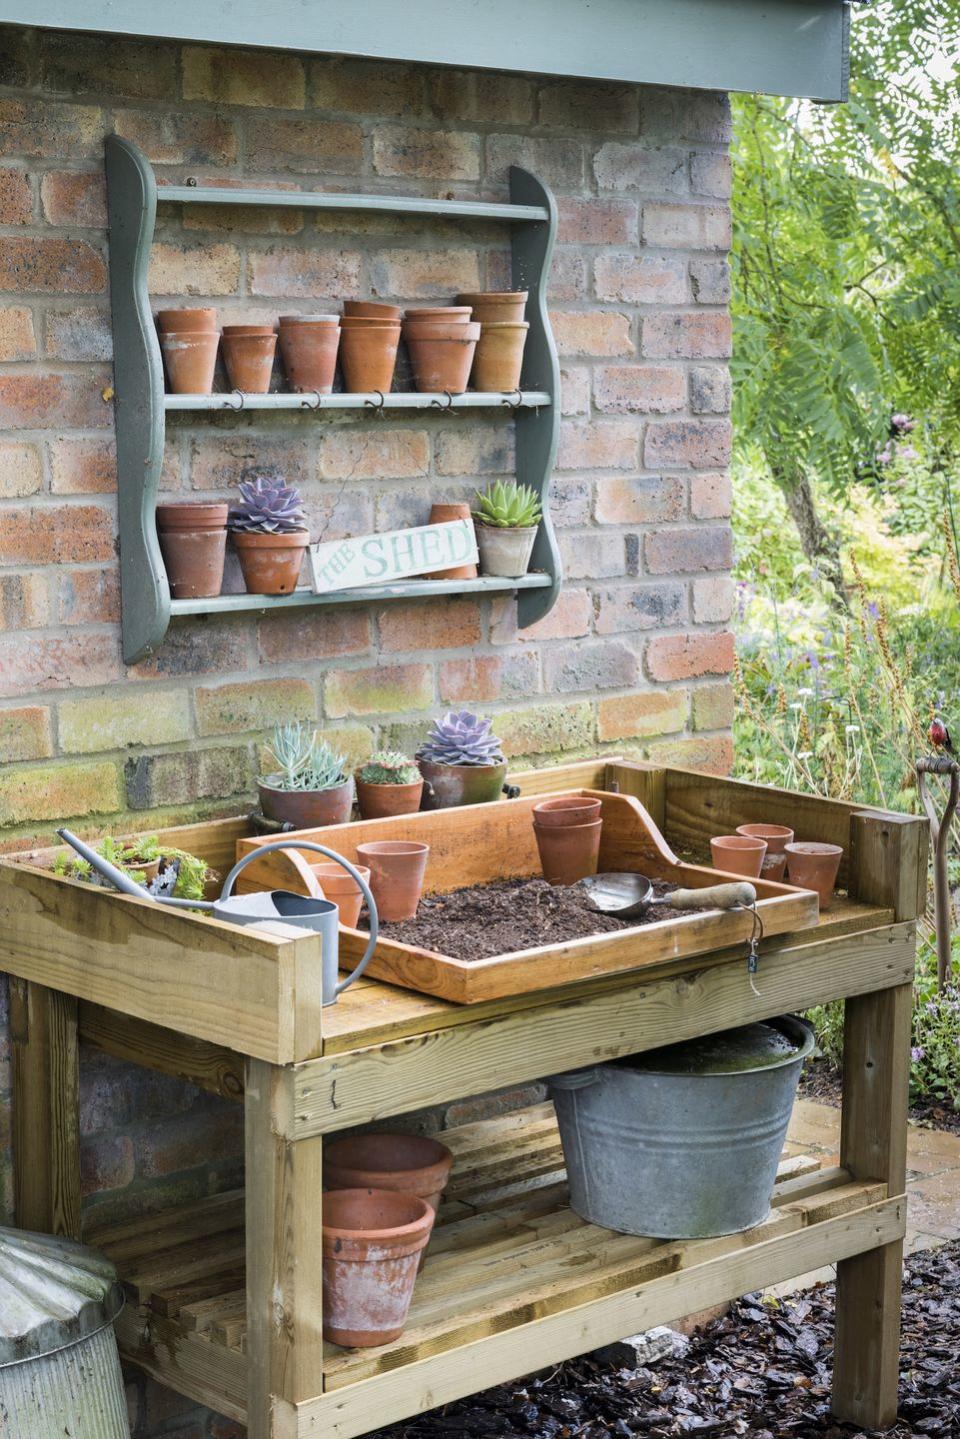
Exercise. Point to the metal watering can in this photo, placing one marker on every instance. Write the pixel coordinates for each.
(263, 908)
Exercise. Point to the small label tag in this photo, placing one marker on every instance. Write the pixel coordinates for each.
(378, 559)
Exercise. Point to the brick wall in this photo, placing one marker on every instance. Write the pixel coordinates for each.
(636, 654)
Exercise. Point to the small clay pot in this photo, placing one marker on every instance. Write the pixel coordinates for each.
(306, 808)
(372, 1240)
(249, 330)
(738, 854)
(310, 354)
(249, 361)
(368, 357)
(271, 563)
(397, 868)
(190, 357)
(568, 852)
(505, 552)
(342, 890)
(193, 542)
(309, 320)
(496, 306)
(566, 809)
(403, 1163)
(440, 330)
(499, 358)
(371, 309)
(448, 785)
(363, 322)
(461, 314)
(380, 801)
(813, 865)
(197, 319)
(778, 836)
(442, 364)
(444, 514)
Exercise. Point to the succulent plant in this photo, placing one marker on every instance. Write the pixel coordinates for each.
(304, 760)
(508, 506)
(461, 738)
(269, 505)
(388, 767)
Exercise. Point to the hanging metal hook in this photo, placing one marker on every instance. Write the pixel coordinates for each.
(308, 403)
(377, 404)
(448, 405)
(513, 404)
(237, 400)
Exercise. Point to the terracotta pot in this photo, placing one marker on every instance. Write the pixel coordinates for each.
(397, 868)
(197, 319)
(193, 542)
(380, 801)
(496, 306)
(143, 873)
(459, 313)
(505, 552)
(249, 361)
(499, 358)
(568, 852)
(342, 889)
(270, 563)
(565, 809)
(364, 322)
(738, 854)
(190, 357)
(310, 355)
(249, 330)
(444, 514)
(448, 785)
(812, 865)
(309, 320)
(371, 309)
(372, 1240)
(441, 364)
(306, 808)
(403, 1163)
(778, 836)
(440, 330)
(368, 357)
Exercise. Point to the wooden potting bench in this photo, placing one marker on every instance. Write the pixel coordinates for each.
(225, 1294)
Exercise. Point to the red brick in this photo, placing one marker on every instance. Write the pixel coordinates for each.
(386, 689)
(82, 467)
(684, 549)
(640, 501)
(687, 442)
(598, 445)
(106, 1162)
(217, 461)
(575, 390)
(490, 97)
(93, 65)
(547, 729)
(713, 706)
(711, 281)
(711, 753)
(298, 145)
(569, 277)
(314, 635)
(247, 220)
(90, 597)
(451, 624)
(311, 273)
(17, 339)
(180, 138)
(593, 221)
(215, 647)
(262, 78)
(423, 274)
(33, 402)
(570, 500)
(640, 279)
(182, 1142)
(682, 657)
(185, 776)
(366, 87)
(569, 619)
(21, 470)
(713, 599)
(25, 734)
(711, 496)
(24, 600)
(692, 114)
(711, 175)
(475, 451)
(589, 665)
(60, 662)
(487, 678)
(50, 266)
(687, 227)
(639, 716)
(592, 555)
(710, 390)
(78, 334)
(57, 534)
(651, 389)
(689, 336)
(16, 199)
(426, 154)
(612, 108)
(638, 167)
(373, 454)
(73, 197)
(194, 270)
(592, 332)
(43, 130)
(559, 163)
(253, 705)
(626, 608)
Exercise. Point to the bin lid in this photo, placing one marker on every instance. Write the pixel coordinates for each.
(52, 1293)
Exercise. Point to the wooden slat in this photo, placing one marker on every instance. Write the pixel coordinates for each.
(888, 861)
(46, 1109)
(191, 1364)
(210, 1066)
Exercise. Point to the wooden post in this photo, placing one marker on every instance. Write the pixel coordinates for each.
(284, 1252)
(46, 1109)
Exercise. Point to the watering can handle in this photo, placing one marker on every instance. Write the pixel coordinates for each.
(354, 875)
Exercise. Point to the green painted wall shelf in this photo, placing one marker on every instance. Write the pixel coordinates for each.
(141, 405)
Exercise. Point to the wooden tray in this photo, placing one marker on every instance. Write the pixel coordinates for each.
(478, 843)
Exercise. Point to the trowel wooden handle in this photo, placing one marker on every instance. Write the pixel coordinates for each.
(716, 896)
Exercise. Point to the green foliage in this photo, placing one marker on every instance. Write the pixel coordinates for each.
(508, 506)
(388, 767)
(304, 760)
(131, 855)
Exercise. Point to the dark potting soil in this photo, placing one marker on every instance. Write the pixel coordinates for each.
(510, 914)
(761, 1372)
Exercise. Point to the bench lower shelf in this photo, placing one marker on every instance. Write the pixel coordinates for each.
(508, 1254)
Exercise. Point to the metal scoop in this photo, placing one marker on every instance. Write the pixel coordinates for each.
(625, 895)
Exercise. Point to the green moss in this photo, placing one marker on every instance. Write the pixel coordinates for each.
(753, 1046)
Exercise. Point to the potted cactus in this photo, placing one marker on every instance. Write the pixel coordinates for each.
(310, 786)
(389, 783)
(461, 761)
(270, 533)
(506, 519)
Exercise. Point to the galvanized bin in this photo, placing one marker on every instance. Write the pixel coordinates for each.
(677, 1155)
(59, 1367)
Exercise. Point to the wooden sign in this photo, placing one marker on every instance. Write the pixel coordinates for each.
(378, 559)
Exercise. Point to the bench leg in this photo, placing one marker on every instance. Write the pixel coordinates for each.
(46, 1109)
(873, 1145)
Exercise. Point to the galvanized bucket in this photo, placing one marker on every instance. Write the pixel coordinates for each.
(677, 1156)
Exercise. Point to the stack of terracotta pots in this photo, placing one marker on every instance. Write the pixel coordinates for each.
(368, 346)
(773, 865)
(308, 344)
(189, 340)
(248, 352)
(503, 334)
(441, 342)
(568, 837)
(193, 539)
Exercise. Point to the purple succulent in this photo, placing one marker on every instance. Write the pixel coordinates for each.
(269, 506)
(461, 738)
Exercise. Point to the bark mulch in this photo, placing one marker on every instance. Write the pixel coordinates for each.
(823, 1081)
(761, 1372)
